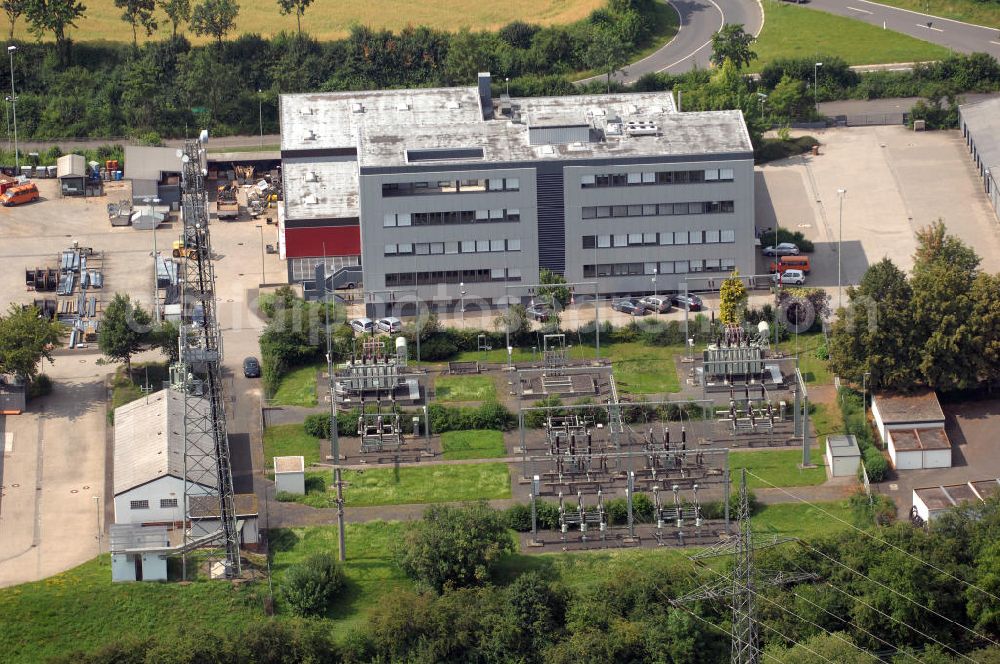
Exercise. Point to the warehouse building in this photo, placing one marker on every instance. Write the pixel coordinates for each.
(980, 124)
(436, 191)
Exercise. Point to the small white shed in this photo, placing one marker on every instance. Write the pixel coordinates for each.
(913, 410)
(930, 502)
(842, 455)
(290, 475)
(139, 553)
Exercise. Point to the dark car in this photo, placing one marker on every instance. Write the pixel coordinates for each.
(540, 312)
(251, 367)
(629, 305)
(692, 302)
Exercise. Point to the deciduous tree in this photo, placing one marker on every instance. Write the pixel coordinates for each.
(733, 43)
(25, 338)
(124, 330)
(298, 7)
(215, 18)
(55, 16)
(136, 13)
(14, 9)
(178, 11)
(732, 300)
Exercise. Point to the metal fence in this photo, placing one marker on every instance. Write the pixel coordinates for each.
(871, 119)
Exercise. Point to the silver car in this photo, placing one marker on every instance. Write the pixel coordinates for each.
(783, 249)
(389, 324)
(363, 325)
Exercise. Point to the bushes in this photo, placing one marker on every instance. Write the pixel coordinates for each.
(772, 149)
(875, 464)
(490, 415)
(312, 584)
(454, 547)
(852, 409)
(40, 386)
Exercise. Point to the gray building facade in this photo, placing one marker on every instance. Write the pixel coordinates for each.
(457, 191)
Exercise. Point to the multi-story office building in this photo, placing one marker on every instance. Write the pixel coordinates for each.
(443, 190)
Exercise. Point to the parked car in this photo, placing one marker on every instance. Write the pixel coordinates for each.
(783, 249)
(689, 301)
(362, 325)
(656, 303)
(629, 305)
(540, 312)
(795, 277)
(22, 193)
(390, 324)
(251, 367)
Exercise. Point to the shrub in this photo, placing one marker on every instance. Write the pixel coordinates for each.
(535, 419)
(518, 517)
(312, 584)
(318, 424)
(40, 386)
(454, 547)
(875, 464)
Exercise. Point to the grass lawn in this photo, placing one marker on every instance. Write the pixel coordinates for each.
(639, 368)
(464, 388)
(779, 467)
(329, 19)
(801, 520)
(289, 440)
(814, 370)
(402, 486)
(825, 419)
(794, 31)
(474, 444)
(970, 11)
(81, 609)
(125, 391)
(297, 387)
(369, 569)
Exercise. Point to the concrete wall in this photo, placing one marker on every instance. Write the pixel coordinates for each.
(842, 466)
(907, 460)
(154, 567)
(290, 483)
(153, 492)
(922, 510)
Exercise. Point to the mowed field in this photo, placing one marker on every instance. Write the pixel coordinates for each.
(331, 19)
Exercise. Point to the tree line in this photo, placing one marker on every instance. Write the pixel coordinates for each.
(873, 598)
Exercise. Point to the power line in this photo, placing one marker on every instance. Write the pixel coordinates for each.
(877, 539)
(907, 598)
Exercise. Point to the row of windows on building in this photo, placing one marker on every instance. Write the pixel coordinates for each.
(660, 267)
(455, 247)
(657, 209)
(450, 217)
(304, 269)
(656, 177)
(450, 186)
(144, 504)
(430, 278)
(659, 239)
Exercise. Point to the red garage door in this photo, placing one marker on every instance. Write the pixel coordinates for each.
(311, 242)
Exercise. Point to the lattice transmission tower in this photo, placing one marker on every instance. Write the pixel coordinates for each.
(207, 467)
(740, 586)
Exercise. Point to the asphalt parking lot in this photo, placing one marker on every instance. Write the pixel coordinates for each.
(896, 181)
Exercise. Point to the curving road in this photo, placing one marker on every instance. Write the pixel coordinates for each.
(692, 45)
(962, 37)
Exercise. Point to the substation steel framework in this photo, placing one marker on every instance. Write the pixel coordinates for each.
(207, 467)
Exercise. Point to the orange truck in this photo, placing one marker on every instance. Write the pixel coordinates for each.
(22, 193)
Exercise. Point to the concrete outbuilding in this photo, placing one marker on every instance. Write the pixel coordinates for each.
(912, 427)
(139, 553)
(290, 475)
(842, 456)
(931, 502)
(154, 172)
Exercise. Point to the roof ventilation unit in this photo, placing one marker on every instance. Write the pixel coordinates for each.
(402, 106)
(356, 107)
(310, 136)
(641, 128)
(452, 105)
(310, 199)
(312, 177)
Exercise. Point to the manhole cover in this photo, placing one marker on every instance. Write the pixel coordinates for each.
(73, 491)
(86, 487)
(15, 485)
(229, 300)
(893, 487)
(804, 226)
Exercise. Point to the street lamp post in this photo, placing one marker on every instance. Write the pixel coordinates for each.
(816, 86)
(260, 116)
(653, 280)
(261, 229)
(461, 286)
(840, 246)
(763, 98)
(13, 102)
(156, 276)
